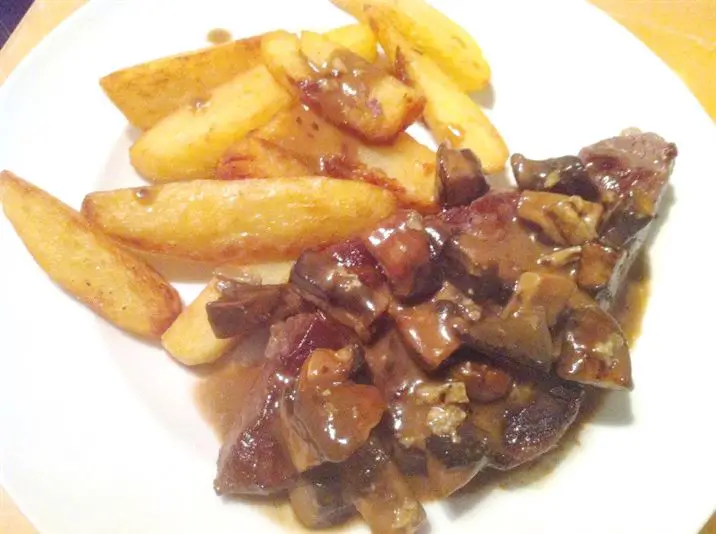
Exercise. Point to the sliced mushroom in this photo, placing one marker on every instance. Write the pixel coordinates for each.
(523, 336)
(483, 383)
(594, 350)
(445, 480)
(549, 292)
(565, 175)
(244, 307)
(460, 176)
(561, 259)
(345, 282)
(317, 499)
(335, 414)
(490, 246)
(380, 492)
(403, 249)
(563, 220)
(419, 407)
(435, 329)
(602, 271)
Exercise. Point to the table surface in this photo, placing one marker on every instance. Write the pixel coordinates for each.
(681, 32)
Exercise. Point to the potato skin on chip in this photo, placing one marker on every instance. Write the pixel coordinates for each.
(107, 278)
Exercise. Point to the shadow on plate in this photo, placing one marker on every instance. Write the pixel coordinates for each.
(279, 510)
(614, 409)
(667, 202)
(502, 179)
(485, 98)
(133, 133)
(178, 270)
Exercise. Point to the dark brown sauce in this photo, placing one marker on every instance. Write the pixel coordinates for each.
(218, 36)
(221, 391)
(227, 385)
(631, 304)
(318, 145)
(322, 148)
(342, 85)
(145, 195)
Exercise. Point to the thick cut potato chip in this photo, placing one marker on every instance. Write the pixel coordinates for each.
(190, 338)
(363, 98)
(188, 144)
(390, 39)
(298, 142)
(341, 86)
(281, 52)
(248, 221)
(253, 157)
(449, 113)
(110, 280)
(432, 33)
(358, 38)
(147, 93)
(411, 165)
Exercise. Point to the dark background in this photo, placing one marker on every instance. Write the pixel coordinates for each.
(11, 11)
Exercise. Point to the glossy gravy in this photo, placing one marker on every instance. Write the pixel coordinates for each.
(218, 36)
(228, 385)
(631, 305)
(342, 85)
(217, 395)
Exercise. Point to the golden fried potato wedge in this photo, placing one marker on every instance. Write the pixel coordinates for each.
(281, 52)
(248, 221)
(431, 33)
(298, 142)
(188, 144)
(411, 165)
(449, 113)
(318, 49)
(147, 93)
(358, 38)
(254, 157)
(190, 338)
(110, 280)
(390, 39)
(362, 98)
(356, 8)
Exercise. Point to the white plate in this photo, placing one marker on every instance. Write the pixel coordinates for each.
(99, 432)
